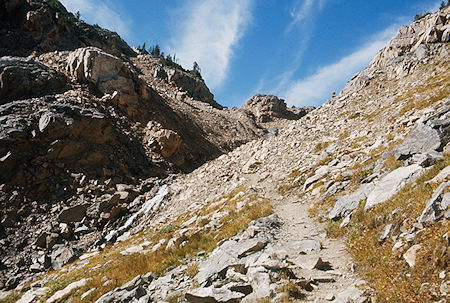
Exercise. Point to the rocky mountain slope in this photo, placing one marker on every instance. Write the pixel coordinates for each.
(348, 204)
(87, 124)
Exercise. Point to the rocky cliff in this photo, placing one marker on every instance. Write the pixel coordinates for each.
(265, 108)
(42, 26)
(348, 204)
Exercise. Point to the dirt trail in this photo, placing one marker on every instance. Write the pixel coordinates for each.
(338, 283)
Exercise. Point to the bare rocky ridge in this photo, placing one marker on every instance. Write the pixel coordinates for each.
(43, 26)
(266, 107)
(411, 46)
(340, 150)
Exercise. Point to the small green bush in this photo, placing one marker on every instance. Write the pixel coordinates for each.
(421, 16)
(196, 70)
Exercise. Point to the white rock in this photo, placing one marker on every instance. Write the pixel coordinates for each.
(88, 255)
(392, 184)
(62, 293)
(438, 204)
(349, 203)
(211, 294)
(5, 294)
(87, 293)
(351, 294)
(308, 245)
(442, 176)
(28, 297)
(411, 254)
(260, 281)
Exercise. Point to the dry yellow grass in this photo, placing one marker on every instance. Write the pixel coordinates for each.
(11, 298)
(391, 163)
(344, 135)
(385, 269)
(321, 207)
(436, 88)
(361, 171)
(291, 290)
(289, 184)
(192, 270)
(119, 269)
(334, 230)
(321, 146)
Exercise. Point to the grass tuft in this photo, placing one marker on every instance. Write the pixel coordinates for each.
(384, 268)
(291, 290)
(391, 163)
(192, 270)
(11, 298)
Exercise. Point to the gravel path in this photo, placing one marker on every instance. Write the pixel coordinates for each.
(335, 280)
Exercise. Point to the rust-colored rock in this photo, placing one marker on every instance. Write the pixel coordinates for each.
(169, 142)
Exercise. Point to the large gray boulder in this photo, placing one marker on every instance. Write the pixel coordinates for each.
(391, 184)
(60, 294)
(92, 65)
(62, 255)
(349, 203)
(442, 176)
(350, 294)
(428, 136)
(437, 205)
(422, 139)
(259, 278)
(219, 260)
(22, 78)
(213, 295)
(73, 214)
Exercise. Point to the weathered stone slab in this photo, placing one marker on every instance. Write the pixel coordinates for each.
(308, 245)
(73, 214)
(437, 205)
(391, 184)
(422, 139)
(259, 279)
(219, 260)
(349, 203)
(213, 295)
(69, 288)
(410, 255)
(250, 246)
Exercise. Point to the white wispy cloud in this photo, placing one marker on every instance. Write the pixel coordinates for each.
(303, 14)
(208, 33)
(302, 10)
(317, 88)
(99, 12)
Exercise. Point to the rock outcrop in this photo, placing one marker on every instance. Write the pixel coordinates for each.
(392, 183)
(44, 26)
(411, 45)
(267, 107)
(23, 78)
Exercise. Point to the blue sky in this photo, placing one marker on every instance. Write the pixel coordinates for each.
(299, 50)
